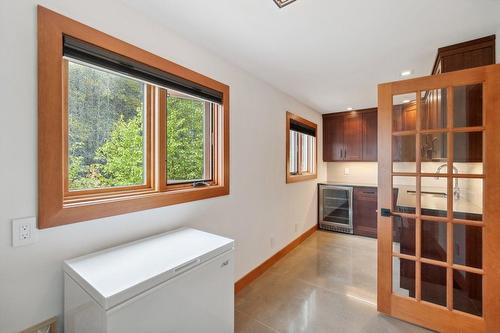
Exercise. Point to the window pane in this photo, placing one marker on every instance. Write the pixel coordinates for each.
(468, 292)
(468, 199)
(404, 153)
(302, 158)
(433, 284)
(434, 105)
(305, 153)
(189, 147)
(468, 106)
(403, 235)
(294, 139)
(403, 277)
(434, 237)
(404, 194)
(404, 112)
(468, 245)
(105, 129)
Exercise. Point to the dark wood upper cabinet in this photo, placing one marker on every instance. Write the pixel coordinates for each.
(370, 136)
(353, 138)
(474, 53)
(350, 136)
(333, 138)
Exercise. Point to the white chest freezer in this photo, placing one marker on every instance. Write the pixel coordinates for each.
(180, 281)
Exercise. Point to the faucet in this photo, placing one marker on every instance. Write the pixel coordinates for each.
(456, 189)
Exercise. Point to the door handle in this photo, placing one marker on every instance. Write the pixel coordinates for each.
(187, 265)
(386, 212)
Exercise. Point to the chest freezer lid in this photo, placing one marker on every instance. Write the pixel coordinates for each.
(115, 275)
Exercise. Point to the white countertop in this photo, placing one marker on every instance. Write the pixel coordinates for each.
(434, 202)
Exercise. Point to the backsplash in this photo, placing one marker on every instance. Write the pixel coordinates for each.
(359, 172)
(366, 173)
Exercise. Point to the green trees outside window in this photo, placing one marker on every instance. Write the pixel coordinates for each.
(106, 143)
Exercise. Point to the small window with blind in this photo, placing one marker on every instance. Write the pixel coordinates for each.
(121, 129)
(301, 149)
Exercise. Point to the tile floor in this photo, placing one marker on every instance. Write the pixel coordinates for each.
(327, 284)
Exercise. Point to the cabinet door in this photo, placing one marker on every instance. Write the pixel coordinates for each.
(353, 137)
(365, 211)
(370, 136)
(333, 138)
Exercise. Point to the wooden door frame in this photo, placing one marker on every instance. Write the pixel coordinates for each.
(422, 313)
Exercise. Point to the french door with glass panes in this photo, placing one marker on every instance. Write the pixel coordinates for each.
(439, 200)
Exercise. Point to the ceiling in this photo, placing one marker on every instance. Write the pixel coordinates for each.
(328, 54)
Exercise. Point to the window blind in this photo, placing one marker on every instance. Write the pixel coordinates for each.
(301, 128)
(79, 50)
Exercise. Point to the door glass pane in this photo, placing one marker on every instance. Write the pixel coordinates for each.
(106, 136)
(434, 195)
(404, 153)
(434, 240)
(433, 148)
(468, 106)
(468, 199)
(403, 277)
(468, 292)
(404, 197)
(467, 245)
(433, 284)
(403, 235)
(468, 152)
(404, 112)
(433, 112)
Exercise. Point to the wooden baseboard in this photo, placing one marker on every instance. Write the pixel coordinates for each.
(256, 272)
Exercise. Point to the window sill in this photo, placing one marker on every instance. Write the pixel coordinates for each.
(300, 178)
(87, 208)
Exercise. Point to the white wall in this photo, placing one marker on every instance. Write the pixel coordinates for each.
(259, 207)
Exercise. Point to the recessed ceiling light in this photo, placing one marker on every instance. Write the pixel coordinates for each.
(406, 73)
(406, 101)
(349, 109)
(283, 3)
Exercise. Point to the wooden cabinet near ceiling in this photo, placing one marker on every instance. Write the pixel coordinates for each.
(473, 53)
(350, 136)
(365, 211)
(370, 124)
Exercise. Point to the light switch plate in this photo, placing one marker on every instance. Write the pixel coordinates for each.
(346, 171)
(24, 231)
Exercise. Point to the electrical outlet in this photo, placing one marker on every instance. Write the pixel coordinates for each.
(24, 231)
(347, 171)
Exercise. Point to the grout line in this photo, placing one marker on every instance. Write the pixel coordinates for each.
(258, 321)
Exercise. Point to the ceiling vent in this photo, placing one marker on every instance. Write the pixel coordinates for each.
(283, 3)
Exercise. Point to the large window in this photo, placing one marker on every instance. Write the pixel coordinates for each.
(301, 149)
(122, 130)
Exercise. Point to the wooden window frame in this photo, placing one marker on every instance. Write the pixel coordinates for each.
(290, 178)
(57, 205)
